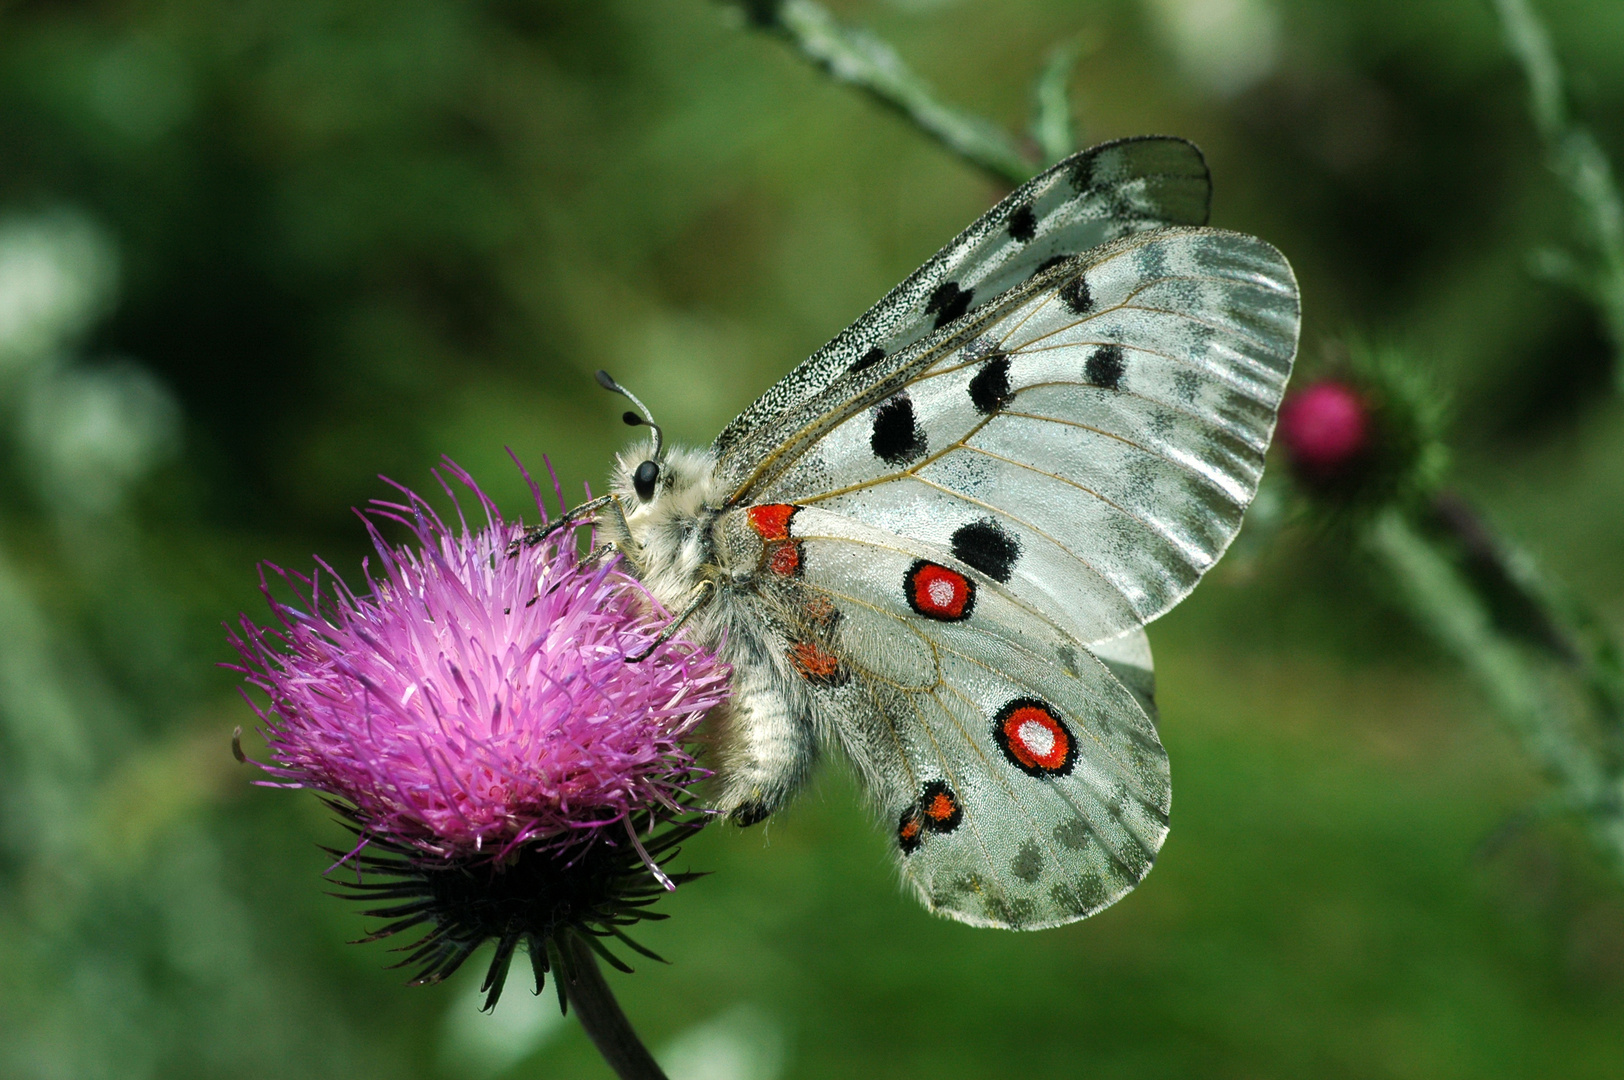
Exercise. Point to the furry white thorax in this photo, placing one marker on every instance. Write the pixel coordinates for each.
(762, 742)
(668, 547)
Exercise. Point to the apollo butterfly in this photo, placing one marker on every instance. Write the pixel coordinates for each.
(938, 540)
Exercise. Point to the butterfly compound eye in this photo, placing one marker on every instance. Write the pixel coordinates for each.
(643, 480)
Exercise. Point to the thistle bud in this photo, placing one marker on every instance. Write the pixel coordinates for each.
(1364, 435)
(1324, 428)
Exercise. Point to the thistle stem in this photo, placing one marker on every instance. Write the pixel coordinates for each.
(1582, 166)
(1446, 604)
(600, 1014)
(861, 59)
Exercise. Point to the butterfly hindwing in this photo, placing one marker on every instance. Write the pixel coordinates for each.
(1023, 780)
(1092, 197)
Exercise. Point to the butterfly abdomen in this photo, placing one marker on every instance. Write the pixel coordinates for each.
(779, 643)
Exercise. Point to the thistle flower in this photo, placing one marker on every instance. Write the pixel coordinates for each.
(473, 716)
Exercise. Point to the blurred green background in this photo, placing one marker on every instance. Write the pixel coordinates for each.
(255, 253)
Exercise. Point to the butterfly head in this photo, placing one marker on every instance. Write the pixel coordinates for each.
(678, 482)
(663, 486)
(659, 524)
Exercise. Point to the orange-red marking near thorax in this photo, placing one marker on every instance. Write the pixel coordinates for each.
(814, 662)
(771, 520)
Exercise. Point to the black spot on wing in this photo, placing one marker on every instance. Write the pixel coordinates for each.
(1023, 224)
(1082, 172)
(989, 388)
(1074, 294)
(948, 302)
(897, 437)
(868, 359)
(988, 548)
(1105, 367)
(1072, 834)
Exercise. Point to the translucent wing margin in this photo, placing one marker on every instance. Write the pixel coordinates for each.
(1094, 196)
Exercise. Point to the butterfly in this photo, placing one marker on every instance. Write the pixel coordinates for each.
(934, 545)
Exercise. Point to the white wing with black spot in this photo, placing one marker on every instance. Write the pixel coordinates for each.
(1092, 197)
(1093, 442)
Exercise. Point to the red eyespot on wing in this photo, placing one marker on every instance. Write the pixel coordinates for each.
(1034, 738)
(784, 558)
(816, 664)
(939, 808)
(936, 810)
(908, 831)
(938, 593)
(771, 520)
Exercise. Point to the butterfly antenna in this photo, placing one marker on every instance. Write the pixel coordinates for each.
(633, 419)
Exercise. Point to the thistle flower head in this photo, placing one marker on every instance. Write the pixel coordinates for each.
(473, 715)
(1364, 435)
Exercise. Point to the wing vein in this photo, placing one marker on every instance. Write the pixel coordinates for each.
(1196, 557)
(1181, 466)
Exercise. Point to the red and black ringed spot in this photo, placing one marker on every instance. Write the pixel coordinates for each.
(937, 592)
(910, 830)
(771, 520)
(939, 809)
(1034, 738)
(936, 810)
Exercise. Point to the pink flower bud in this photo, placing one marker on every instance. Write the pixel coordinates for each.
(1324, 427)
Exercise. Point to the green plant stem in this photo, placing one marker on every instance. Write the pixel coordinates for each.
(1577, 159)
(600, 1014)
(859, 58)
(1051, 104)
(1561, 622)
(1444, 603)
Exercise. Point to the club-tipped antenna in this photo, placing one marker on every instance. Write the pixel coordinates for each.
(632, 419)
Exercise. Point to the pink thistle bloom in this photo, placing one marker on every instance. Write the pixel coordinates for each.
(479, 693)
(1324, 427)
(473, 713)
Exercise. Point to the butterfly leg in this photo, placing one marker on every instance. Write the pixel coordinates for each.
(764, 742)
(617, 531)
(702, 595)
(537, 533)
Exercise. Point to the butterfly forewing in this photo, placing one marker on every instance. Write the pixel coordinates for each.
(1094, 444)
(1023, 780)
(1090, 198)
